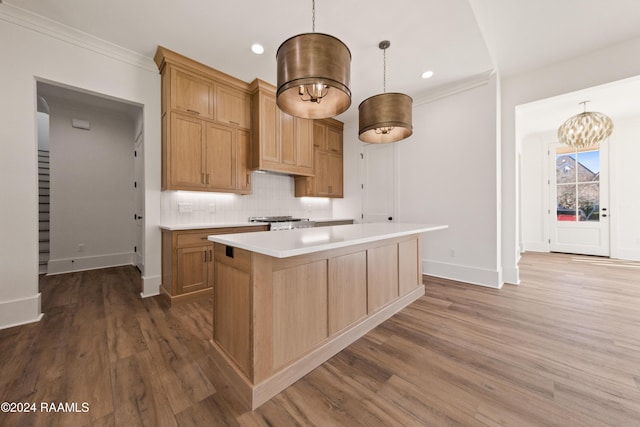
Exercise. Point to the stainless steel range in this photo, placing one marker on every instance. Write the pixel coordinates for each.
(283, 222)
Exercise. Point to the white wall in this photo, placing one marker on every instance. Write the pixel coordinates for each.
(92, 193)
(599, 67)
(40, 50)
(446, 174)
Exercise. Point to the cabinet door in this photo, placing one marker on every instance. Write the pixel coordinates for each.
(335, 173)
(233, 106)
(269, 146)
(221, 156)
(191, 94)
(194, 268)
(322, 180)
(243, 155)
(319, 136)
(186, 153)
(304, 143)
(334, 139)
(287, 138)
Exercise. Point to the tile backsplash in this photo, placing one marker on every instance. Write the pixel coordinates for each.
(271, 194)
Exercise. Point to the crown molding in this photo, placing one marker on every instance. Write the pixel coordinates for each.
(453, 88)
(56, 30)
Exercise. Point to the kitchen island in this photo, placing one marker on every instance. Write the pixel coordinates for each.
(286, 301)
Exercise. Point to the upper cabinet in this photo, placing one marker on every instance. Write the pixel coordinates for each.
(206, 127)
(328, 162)
(281, 143)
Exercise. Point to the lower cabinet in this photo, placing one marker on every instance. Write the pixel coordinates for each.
(187, 262)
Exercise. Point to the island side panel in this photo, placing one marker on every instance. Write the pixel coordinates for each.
(232, 307)
(262, 322)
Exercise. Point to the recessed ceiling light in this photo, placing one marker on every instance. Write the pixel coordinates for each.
(258, 49)
(427, 74)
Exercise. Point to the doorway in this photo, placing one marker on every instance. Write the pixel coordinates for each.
(579, 199)
(95, 159)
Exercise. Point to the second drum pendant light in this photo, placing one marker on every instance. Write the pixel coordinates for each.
(385, 117)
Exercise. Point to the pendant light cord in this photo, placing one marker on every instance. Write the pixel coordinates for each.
(384, 70)
(313, 16)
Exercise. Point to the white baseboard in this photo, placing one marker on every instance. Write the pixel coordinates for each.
(535, 247)
(627, 254)
(461, 273)
(151, 286)
(511, 275)
(20, 312)
(69, 265)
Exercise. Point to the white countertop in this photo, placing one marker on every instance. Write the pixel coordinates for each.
(288, 243)
(176, 227)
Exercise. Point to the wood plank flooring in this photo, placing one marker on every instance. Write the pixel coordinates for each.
(561, 349)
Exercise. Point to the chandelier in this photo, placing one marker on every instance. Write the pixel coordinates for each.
(585, 129)
(313, 75)
(385, 117)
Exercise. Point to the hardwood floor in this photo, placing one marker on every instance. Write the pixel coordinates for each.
(561, 349)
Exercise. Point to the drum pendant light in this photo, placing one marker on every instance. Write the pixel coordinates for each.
(585, 129)
(313, 75)
(385, 117)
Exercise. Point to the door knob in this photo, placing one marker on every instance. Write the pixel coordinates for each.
(390, 218)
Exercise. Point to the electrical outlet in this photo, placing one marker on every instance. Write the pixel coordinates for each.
(185, 207)
(452, 253)
(212, 207)
(81, 247)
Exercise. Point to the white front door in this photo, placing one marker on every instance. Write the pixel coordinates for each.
(579, 199)
(378, 182)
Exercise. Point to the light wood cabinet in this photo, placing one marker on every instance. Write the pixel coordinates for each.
(276, 319)
(281, 143)
(187, 262)
(327, 162)
(191, 94)
(206, 120)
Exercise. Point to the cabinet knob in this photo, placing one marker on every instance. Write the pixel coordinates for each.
(193, 111)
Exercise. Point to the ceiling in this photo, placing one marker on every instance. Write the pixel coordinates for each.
(457, 39)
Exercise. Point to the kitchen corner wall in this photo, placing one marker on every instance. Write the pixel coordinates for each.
(271, 194)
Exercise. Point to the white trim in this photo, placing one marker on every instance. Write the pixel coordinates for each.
(56, 30)
(462, 273)
(20, 312)
(453, 88)
(68, 265)
(535, 247)
(630, 254)
(151, 286)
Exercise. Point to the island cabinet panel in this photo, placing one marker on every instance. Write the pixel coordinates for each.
(382, 275)
(347, 290)
(299, 311)
(276, 319)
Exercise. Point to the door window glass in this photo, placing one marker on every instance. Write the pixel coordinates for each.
(578, 184)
